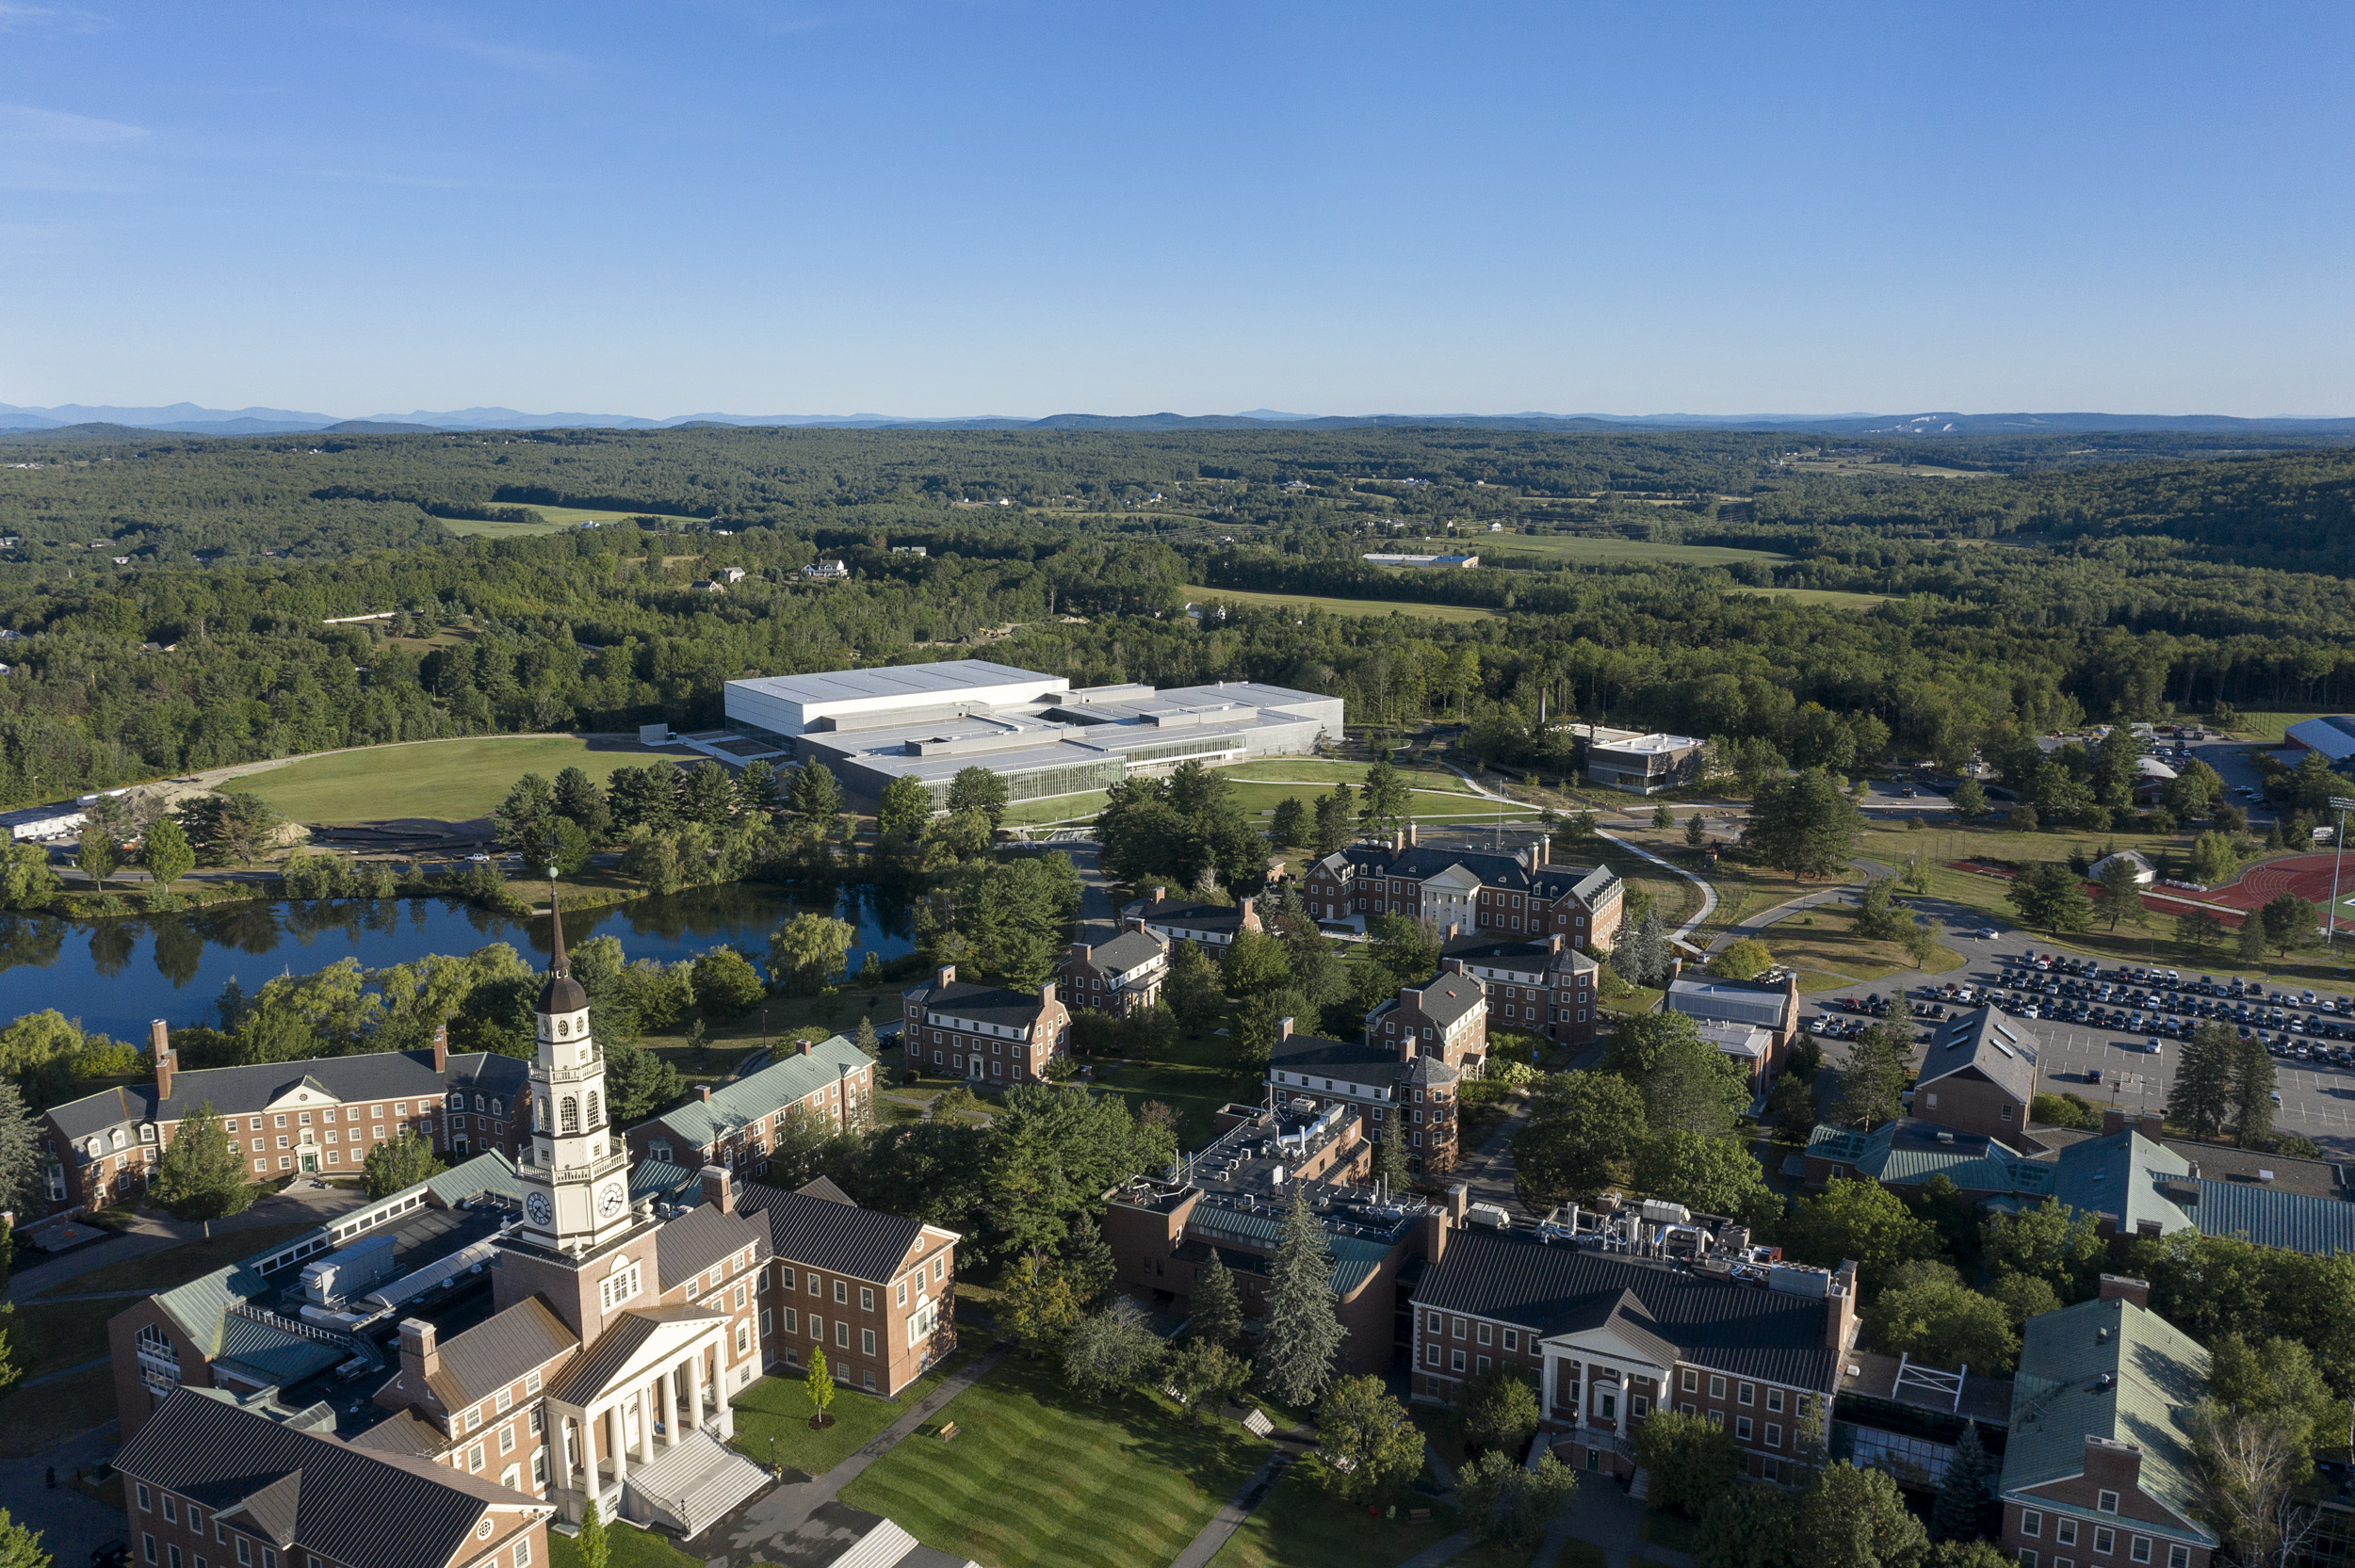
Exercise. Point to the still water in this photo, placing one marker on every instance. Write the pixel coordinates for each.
(115, 976)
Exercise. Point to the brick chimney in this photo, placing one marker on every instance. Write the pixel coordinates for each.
(1398, 841)
(1452, 966)
(1543, 850)
(1283, 1030)
(718, 1191)
(945, 975)
(1840, 1322)
(2118, 1287)
(420, 1357)
(1553, 942)
(1047, 997)
(1676, 969)
(2113, 1466)
(1458, 1202)
(441, 1047)
(2154, 1123)
(1081, 952)
(1434, 1232)
(159, 1048)
(2113, 1121)
(703, 1092)
(1159, 895)
(1249, 916)
(805, 1047)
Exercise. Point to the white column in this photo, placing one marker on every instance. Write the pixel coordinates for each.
(620, 1425)
(674, 1401)
(1626, 1399)
(695, 1385)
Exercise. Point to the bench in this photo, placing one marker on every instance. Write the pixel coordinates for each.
(1419, 1516)
(947, 1430)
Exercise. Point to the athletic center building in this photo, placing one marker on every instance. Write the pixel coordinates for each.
(1041, 734)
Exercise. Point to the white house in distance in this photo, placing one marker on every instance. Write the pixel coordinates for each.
(2145, 873)
(1457, 562)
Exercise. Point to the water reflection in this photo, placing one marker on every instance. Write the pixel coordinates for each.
(174, 966)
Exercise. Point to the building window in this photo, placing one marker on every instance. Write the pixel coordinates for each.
(2064, 1532)
(2139, 1548)
(1774, 1435)
(791, 1326)
(502, 1401)
(1746, 1394)
(147, 1547)
(841, 1294)
(1773, 1470)
(2179, 1557)
(2027, 1558)
(2031, 1522)
(1431, 1355)
(1773, 1400)
(866, 1340)
(1484, 1333)
(171, 1511)
(2104, 1540)
(1689, 1380)
(1716, 1388)
(841, 1333)
(531, 1385)
(1455, 1361)
(744, 1339)
(1512, 1339)
(1741, 1428)
(817, 1287)
(507, 1438)
(2106, 1502)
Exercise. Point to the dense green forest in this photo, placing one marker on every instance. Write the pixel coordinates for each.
(2040, 588)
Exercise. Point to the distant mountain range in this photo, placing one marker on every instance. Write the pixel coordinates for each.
(193, 419)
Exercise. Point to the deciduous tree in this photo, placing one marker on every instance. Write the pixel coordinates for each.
(398, 1164)
(1371, 1444)
(202, 1176)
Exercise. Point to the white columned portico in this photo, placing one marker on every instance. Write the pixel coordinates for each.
(620, 1430)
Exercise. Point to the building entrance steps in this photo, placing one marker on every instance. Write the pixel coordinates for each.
(691, 1485)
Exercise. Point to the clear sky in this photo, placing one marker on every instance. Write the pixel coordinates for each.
(934, 209)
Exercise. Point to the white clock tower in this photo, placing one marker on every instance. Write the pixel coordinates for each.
(576, 1187)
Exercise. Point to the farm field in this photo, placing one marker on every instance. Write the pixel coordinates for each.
(1341, 606)
(445, 781)
(1833, 597)
(2266, 725)
(557, 518)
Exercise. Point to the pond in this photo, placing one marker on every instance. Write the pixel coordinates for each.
(116, 975)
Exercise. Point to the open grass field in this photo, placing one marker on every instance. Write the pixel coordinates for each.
(558, 518)
(33, 1420)
(2266, 727)
(1036, 1478)
(1302, 1524)
(181, 1264)
(1197, 1078)
(50, 1337)
(779, 1408)
(1341, 606)
(1835, 598)
(628, 1547)
(1587, 550)
(445, 781)
(1261, 785)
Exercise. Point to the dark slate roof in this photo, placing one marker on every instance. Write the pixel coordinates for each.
(1741, 1329)
(691, 1243)
(1428, 1071)
(1983, 1040)
(1195, 918)
(1752, 1002)
(490, 1073)
(1451, 996)
(815, 1230)
(374, 1076)
(499, 1350)
(1507, 872)
(991, 1004)
(1310, 1053)
(361, 1508)
(1127, 951)
(1514, 954)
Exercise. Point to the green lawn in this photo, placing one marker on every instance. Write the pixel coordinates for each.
(1197, 1079)
(1261, 786)
(1301, 1524)
(1037, 1479)
(1836, 598)
(1582, 550)
(181, 1264)
(1666, 1530)
(628, 1547)
(2265, 727)
(50, 1337)
(1339, 606)
(557, 518)
(447, 780)
(778, 1408)
(34, 1420)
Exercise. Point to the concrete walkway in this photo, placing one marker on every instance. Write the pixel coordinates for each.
(1235, 1509)
(800, 1520)
(1838, 893)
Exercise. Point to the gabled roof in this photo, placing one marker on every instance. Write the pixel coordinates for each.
(1515, 956)
(1509, 873)
(2120, 1175)
(820, 1228)
(2295, 1222)
(1907, 1150)
(1983, 1044)
(614, 1350)
(498, 1351)
(373, 1075)
(2112, 1370)
(698, 1122)
(358, 1507)
(1449, 997)
(990, 1004)
(1741, 1329)
(1194, 917)
(1310, 1053)
(1128, 950)
(489, 1071)
(691, 1243)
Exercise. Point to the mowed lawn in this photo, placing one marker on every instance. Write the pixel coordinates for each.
(1261, 785)
(446, 781)
(1196, 1078)
(1341, 606)
(778, 1408)
(1038, 1479)
(1304, 1524)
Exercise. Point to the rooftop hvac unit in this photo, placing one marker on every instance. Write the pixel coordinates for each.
(1795, 1278)
(1661, 1213)
(349, 1271)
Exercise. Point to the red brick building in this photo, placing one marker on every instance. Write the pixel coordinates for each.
(1466, 892)
(876, 1290)
(1120, 976)
(736, 1124)
(1405, 1073)
(985, 1033)
(1543, 986)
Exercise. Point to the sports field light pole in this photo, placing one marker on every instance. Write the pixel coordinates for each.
(2340, 805)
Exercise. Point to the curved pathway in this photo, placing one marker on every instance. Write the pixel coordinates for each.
(1837, 892)
(1709, 893)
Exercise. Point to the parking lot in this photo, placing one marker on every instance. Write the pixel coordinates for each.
(2109, 1064)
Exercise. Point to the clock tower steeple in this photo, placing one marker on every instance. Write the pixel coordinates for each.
(576, 1186)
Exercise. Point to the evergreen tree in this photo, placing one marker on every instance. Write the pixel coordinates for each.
(1392, 1169)
(202, 1174)
(1336, 820)
(2201, 1099)
(1963, 1498)
(1217, 1308)
(596, 1548)
(1384, 809)
(2253, 1093)
(2249, 942)
(21, 1159)
(756, 786)
(1291, 824)
(1875, 1075)
(1304, 1330)
(816, 798)
(1803, 824)
(581, 800)
(1643, 955)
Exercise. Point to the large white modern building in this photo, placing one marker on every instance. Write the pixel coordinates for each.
(1042, 737)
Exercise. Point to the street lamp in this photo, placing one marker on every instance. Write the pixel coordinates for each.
(2340, 805)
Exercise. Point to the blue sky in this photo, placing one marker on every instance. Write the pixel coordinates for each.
(1032, 208)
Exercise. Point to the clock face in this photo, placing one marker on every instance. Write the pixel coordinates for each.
(538, 1208)
(609, 1201)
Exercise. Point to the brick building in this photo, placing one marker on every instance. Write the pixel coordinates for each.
(1609, 1337)
(1978, 1075)
(1405, 1072)
(1210, 926)
(1467, 892)
(207, 1481)
(877, 1290)
(736, 1125)
(1542, 986)
(957, 1026)
(317, 1117)
(1120, 976)
(2099, 1469)
(1229, 1198)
